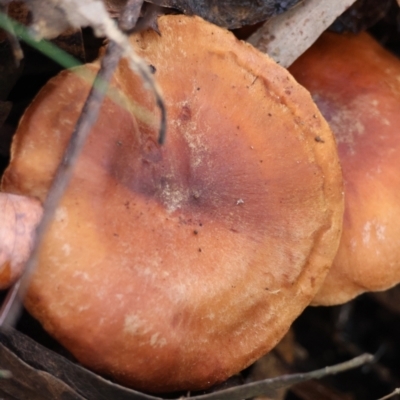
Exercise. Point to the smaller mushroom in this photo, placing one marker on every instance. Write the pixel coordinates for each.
(355, 83)
(19, 216)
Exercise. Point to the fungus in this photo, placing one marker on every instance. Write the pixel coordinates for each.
(355, 83)
(173, 267)
(19, 216)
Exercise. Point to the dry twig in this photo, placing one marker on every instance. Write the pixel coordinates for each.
(287, 36)
(389, 396)
(269, 386)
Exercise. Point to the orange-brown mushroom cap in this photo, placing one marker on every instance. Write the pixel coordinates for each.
(355, 83)
(174, 267)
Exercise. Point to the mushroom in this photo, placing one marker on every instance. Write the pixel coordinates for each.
(173, 267)
(19, 216)
(355, 83)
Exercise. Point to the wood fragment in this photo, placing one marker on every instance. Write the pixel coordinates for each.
(287, 36)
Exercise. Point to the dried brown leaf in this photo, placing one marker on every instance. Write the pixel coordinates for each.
(28, 383)
(89, 385)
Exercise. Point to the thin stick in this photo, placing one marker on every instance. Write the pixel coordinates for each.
(12, 305)
(389, 396)
(268, 387)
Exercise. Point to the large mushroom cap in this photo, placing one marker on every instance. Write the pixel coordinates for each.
(355, 83)
(174, 267)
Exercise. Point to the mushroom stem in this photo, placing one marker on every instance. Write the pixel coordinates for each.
(19, 216)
